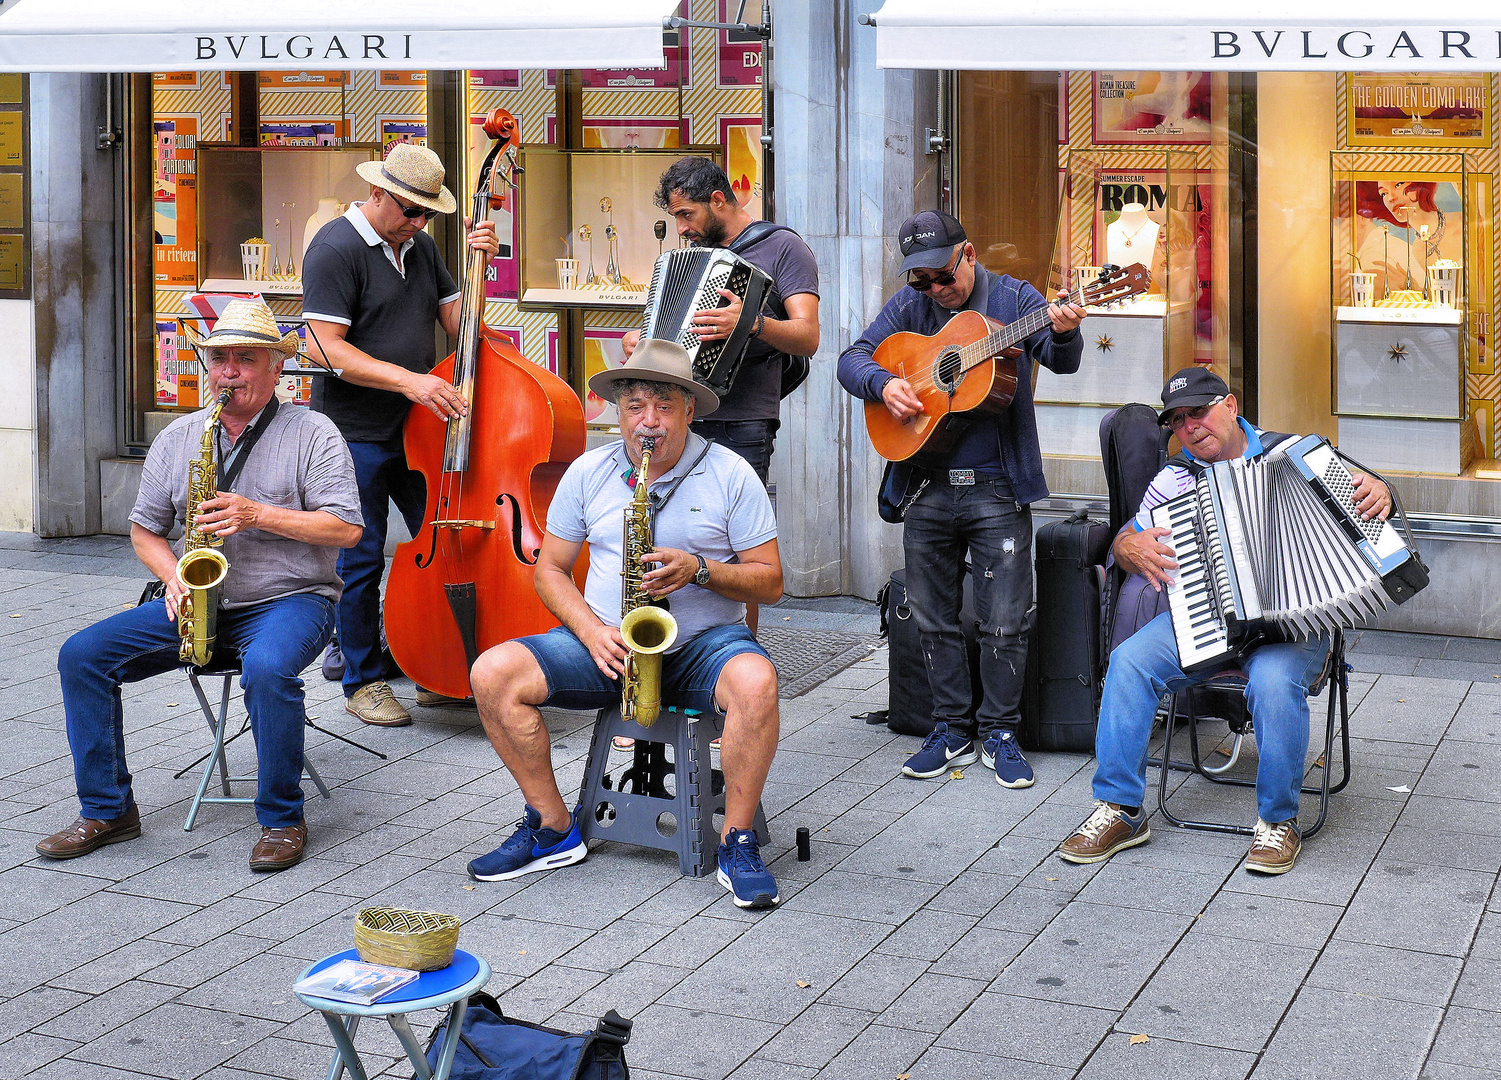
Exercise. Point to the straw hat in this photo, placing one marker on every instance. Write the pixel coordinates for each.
(657, 360)
(245, 322)
(413, 173)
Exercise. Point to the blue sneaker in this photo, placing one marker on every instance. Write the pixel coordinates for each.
(1001, 753)
(531, 848)
(943, 750)
(742, 872)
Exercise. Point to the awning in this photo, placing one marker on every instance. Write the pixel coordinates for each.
(1188, 35)
(186, 35)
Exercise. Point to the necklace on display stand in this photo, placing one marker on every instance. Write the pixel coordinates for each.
(1126, 240)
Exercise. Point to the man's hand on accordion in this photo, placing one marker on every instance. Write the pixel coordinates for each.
(1145, 553)
(1372, 498)
(718, 323)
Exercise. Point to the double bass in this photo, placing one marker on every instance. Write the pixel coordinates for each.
(464, 583)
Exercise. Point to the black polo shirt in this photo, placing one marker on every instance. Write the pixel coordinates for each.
(348, 279)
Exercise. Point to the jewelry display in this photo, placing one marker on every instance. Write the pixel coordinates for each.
(613, 275)
(291, 267)
(586, 234)
(276, 251)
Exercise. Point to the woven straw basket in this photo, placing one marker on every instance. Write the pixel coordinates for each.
(419, 940)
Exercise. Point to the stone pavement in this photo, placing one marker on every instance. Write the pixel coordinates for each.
(933, 934)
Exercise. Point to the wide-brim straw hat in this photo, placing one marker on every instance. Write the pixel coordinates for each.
(245, 322)
(657, 360)
(413, 173)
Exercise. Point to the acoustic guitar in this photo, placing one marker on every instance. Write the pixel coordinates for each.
(970, 365)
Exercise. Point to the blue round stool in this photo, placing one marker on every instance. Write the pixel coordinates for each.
(449, 986)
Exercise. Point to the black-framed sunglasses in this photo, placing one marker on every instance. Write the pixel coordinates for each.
(414, 212)
(938, 281)
(1183, 416)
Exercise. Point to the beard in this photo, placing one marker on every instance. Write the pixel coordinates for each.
(713, 234)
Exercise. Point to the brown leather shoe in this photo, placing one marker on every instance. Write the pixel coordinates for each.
(1274, 848)
(87, 834)
(278, 848)
(1103, 833)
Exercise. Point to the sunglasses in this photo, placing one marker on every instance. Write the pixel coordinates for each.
(1183, 416)
(937, 281)
(413, 212)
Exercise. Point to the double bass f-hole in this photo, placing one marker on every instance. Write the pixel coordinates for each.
(432, 548)
(506, 499)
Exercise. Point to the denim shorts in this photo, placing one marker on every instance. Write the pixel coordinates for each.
(689, 675)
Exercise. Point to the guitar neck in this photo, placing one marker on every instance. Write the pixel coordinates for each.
(994, 344)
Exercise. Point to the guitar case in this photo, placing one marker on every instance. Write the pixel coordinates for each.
(910, 708)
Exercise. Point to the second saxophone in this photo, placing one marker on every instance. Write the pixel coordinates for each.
(648, 630)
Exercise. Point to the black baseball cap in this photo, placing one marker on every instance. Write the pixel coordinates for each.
(1189, 387)
(928, 240)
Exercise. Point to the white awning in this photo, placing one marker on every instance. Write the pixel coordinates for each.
(187, 35)
(1188, 35)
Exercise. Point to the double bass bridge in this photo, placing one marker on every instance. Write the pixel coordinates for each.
(462, 523)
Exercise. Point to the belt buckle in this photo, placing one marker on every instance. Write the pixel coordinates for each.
(961, 478)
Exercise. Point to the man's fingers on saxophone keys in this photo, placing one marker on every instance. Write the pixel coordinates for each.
(674, 570)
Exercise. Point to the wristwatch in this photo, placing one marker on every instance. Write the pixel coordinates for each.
(702, 577)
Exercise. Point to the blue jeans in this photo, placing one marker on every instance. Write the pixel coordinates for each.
(1146, 666)
(275, 640)
(941, 525)
(689, 675)
(380, 470)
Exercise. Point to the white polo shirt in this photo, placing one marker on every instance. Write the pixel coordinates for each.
(719, 510)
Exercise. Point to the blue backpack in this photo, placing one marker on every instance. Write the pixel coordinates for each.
(493, 1046)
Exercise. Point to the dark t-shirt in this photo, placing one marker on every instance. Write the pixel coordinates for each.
(757, 392)
(391, 317)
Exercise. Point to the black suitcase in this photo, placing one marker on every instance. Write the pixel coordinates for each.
(1065, 655)
(910, 700)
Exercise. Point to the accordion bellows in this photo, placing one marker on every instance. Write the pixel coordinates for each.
(1277, 541)
(687, 281)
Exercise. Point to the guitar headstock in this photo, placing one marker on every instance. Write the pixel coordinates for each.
(1116, 284)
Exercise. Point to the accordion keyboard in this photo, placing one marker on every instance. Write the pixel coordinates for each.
(1195, 594)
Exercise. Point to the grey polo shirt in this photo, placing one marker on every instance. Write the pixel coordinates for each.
(720, 509)
(300, 463)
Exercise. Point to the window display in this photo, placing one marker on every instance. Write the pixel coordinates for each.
(590, 232)
(1399, 230)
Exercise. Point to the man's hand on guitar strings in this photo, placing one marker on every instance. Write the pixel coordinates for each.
(900, 400)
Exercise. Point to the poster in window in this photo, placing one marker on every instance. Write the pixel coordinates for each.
(502, 79)
(402, 129)
(175, 80)
(305, 132)
(174, 203)
(603, 351)
(1151, 108)
(177, 371)
(741, 139)
(633, 133)
(1403, 223)
(401, 80)
(13, 262)
(287, 81)
(740, 51)
(676, 73)
(1438, 110)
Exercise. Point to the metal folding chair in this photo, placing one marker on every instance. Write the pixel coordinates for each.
(226, 665)
(1336, 675)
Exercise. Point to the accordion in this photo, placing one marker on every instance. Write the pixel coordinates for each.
(687, 281)
(1273, 548)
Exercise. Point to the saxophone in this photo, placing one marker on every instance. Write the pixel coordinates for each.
(648, 630)
(201, 568)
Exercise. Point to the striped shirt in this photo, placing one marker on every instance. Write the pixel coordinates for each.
(1175, 480)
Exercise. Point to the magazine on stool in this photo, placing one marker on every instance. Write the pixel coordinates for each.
(355, 982)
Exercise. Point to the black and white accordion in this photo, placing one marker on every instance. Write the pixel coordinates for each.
(687, 281)
(1276, 544)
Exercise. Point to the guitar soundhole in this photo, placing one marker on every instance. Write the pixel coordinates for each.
(947, 373)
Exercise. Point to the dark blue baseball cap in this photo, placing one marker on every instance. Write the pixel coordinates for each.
(927, 240)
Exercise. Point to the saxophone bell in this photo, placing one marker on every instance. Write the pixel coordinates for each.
(648, 633)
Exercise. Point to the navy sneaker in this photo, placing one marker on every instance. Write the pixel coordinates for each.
(1001, 753)
(531, 848)
(742, 872)
(943, 750)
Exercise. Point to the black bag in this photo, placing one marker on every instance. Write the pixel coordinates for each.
(1065, 661)
(910, 708)
(794, 368)
(1133, 448)
(495, 1047)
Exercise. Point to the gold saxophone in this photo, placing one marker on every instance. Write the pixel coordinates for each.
(648, 630)
(201, 568)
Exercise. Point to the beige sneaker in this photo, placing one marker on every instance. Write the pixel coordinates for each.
(374, 703)
(1274, 848)
(431, 699)
(1108, 830)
